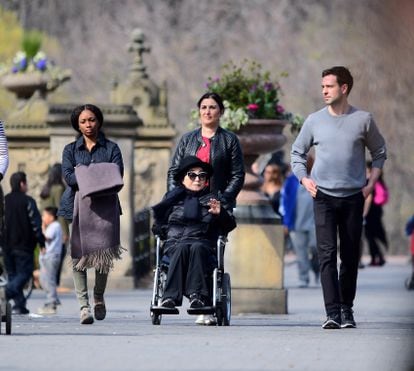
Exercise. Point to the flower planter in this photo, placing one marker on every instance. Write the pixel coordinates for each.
(257, 284)
(259, 136)
(24, 85)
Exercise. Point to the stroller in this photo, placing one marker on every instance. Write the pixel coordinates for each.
(220, 288)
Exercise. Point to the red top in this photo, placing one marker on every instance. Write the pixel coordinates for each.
(203, 152)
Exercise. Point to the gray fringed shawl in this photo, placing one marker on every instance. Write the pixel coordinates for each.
(95, 239)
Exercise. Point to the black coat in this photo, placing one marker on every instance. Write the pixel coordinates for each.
(172, 225)
(226, 158)
(23, 224)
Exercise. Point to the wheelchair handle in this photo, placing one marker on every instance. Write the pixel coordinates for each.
(157, 250)
(221, 243)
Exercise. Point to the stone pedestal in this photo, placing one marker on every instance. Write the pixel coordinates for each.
(254, 254)
(254, 259)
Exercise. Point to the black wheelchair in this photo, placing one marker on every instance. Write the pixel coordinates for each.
(220, 288)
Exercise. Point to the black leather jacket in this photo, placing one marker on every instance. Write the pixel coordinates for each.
(226, 158)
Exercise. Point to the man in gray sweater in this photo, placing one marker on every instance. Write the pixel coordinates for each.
(339, 133)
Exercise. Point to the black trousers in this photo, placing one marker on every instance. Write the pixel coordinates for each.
(338, 216)
(374, 232)
(188, 271)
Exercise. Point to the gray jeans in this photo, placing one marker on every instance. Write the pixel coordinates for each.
(304, 244)
(80, 279)
(49, 265)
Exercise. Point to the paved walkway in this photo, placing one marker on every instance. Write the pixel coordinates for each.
(127, 340)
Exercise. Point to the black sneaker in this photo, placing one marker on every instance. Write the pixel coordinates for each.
(195, 301)
(333, 321)
(347, 318)
(168, 303)
(20, 310)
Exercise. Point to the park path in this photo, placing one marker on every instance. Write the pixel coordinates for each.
(126, 340)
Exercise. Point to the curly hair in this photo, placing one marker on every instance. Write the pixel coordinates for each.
(74, 117)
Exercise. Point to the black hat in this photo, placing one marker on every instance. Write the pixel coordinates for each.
(190, 162)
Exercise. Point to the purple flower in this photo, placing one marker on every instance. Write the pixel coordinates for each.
(268, 86)
(41, 64)
(279, 108)
(22, 64)
(253, 88)
(14, 69)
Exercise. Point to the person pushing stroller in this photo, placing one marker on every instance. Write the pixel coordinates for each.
(189, 219)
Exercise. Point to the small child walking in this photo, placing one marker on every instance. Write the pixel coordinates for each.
(49, 259)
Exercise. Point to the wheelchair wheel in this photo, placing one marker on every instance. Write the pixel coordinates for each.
(8, 318)
(219, 315)
(156, 318)
(226, 299)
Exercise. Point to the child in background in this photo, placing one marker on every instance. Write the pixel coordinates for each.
(49, 258)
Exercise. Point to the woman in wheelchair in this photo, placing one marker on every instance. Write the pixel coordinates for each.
(189, 219)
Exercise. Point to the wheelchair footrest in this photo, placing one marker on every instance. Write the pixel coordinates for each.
(201, 310)
(164, 310)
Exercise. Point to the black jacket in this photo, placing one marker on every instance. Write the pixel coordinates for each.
(226, 158)
(23, 225)
(172, 225)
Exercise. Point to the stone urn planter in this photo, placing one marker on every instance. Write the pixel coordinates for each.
(24, 85)
(254, 256)
(259, 136)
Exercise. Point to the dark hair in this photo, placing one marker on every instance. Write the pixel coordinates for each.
(16, 179)
(214, 96)
(51, 210)
(343, 76)
(74, 117)
(54, 178)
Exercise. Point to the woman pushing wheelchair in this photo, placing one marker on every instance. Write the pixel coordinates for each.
(190, 219)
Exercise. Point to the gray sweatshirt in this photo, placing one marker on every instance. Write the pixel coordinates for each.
(340, 142)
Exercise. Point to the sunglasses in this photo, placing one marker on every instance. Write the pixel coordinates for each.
(201, 176)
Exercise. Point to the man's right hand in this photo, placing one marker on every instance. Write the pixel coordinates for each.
(310, 186)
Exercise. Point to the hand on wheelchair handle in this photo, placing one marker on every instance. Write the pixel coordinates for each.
(160, 231)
